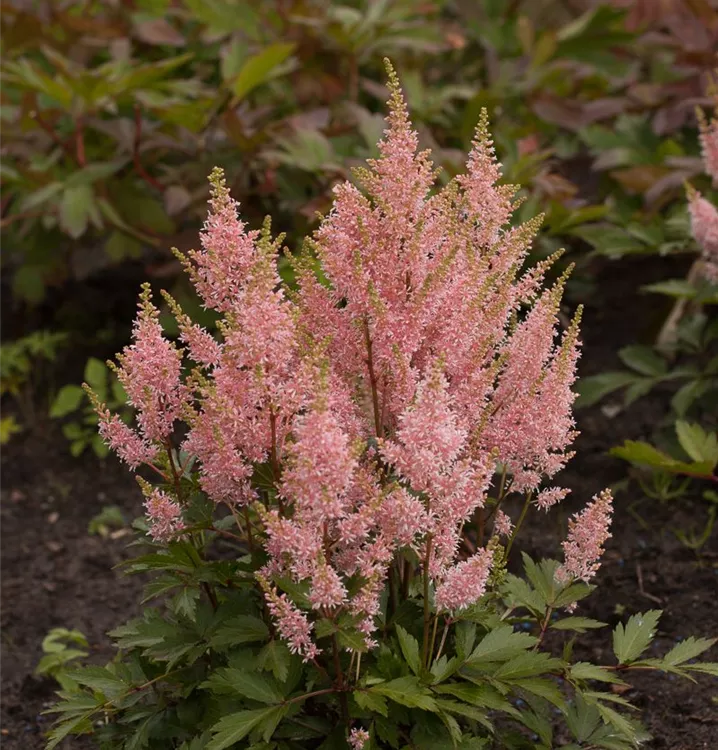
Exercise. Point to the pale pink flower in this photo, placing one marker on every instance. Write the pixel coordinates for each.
(128, 445)
(587, 533)
(164, 515)
(465, 583)
(704, 224)
(550, 496)
(320, 466)
(150, 372)
(293, 625)
(327, 588)
(502, 524)
(358, 738)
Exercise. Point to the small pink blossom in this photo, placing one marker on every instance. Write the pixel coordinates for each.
(465, 583)
(327, 590)
(502, 524)
(293, 625)
(587, 533)
(550, 496)
(358, 738)
(704, 224)
(164, 515)
(128, 445)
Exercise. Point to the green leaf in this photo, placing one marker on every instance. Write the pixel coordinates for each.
(688, 649)
(96, 373)
(631, 640)
(100, 679)
(527, 664)
(75, 207)
(406, 691)
(591, 390)
(371, 702)
(677, 288)
(583, 670)
(93, 172)
(235, 727)
(259, 68)
(698, 444)
(643, 359)
(501, 644)
(644, 454)
(579, 624)
(67, 400)
(410, 649)
(253, 685)
(275, 657)
(465, 636)
(239, 629)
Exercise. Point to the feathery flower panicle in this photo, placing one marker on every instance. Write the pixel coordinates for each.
(550, 496)
(704, 225)
(502, 524)
(150, 371)
(465, 583)
(377, 400)
(127, 444)
(164, 515)
(293, 625)
(358, 738)
(587, 533)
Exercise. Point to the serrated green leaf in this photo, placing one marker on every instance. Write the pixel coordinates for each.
(527, 664)
(410, 648)
(235, 727)
(99, 679)
(276, 658)
(696, 442)
(371, 702)
(256, 686)
(406, 691)
(501, 644)
(579, 624)
(585, 671)
(75, 209)
(631, 640)
(687, 649)
(96, 374)
(239, 629)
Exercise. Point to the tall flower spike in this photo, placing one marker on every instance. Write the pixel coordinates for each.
(465, 583)
(588, 531)
(704, 225)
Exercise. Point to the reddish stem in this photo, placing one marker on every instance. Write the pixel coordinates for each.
(141, 171)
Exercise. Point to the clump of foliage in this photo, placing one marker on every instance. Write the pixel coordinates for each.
(329, 546)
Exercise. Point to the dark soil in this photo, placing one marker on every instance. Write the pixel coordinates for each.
(55, 574)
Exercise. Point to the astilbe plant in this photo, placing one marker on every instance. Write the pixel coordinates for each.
(326, 527)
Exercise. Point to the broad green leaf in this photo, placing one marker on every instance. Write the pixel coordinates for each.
(93, 172)
(696, 442)
(96, 373)
(631, 639)
(410, 649)
(276, 658)
(259, 68)
(371, 702)
(501, 644)
(592, 389)
(644, 454)
(583, 670)
(239, 629)
(579, 624)
(527, 664)
(677, 288)
(253, 685)
(75, 209)
(407, 691)
(465, 637)
(643, 359)
(67, 400)
(100, 679)
(688, 649)
(235, 727)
